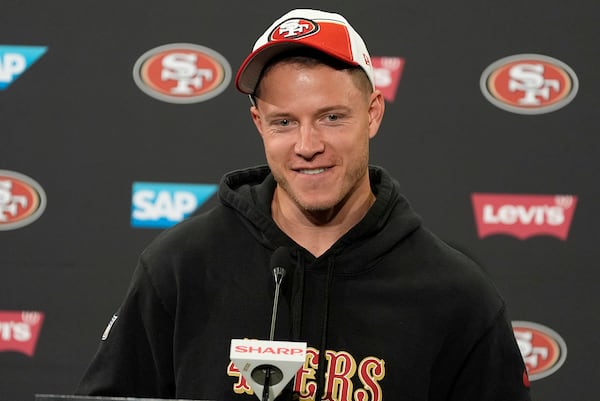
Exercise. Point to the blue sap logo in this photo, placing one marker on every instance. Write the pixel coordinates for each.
(162, 205)
(14, 60)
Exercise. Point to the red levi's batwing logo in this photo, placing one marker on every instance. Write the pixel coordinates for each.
(20, 330)
(388, 71)
(523, 216)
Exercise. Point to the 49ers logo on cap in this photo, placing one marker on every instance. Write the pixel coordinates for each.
(182, 73)
(22, 200)
(543, 350)
(529, 84)
(294, 28)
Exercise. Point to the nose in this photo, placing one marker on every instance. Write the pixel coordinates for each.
(309, 142)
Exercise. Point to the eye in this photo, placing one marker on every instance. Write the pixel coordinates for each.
(284, 122)
(333, 117)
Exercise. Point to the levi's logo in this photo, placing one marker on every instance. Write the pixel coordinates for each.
(294, 28)
(19, 331)
(523, 216)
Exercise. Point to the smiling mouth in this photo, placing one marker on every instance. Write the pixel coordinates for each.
(312, 171)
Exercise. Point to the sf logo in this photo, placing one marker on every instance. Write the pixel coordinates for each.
(294, 28)
(182, 68)
(9, 203)
(529, 79)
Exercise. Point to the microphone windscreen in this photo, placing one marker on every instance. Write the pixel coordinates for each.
(281, 258)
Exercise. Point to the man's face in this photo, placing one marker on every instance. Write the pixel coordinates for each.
(316, 125)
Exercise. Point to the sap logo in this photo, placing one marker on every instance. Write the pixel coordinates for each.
(14, 60)
(162, 205)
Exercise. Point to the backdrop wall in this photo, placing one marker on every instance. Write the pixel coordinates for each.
(119, 118)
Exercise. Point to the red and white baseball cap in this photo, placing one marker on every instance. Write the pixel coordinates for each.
(327, 32)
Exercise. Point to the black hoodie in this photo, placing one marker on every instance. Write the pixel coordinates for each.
(399, 314)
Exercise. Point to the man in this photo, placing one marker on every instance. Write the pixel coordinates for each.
(387, 309)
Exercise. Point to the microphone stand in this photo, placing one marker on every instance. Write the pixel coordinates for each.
(278, 273)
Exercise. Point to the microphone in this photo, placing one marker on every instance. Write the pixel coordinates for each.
(278, 261)
(268, 366)
(280, 258)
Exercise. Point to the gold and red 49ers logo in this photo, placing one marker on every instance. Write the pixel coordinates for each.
(341, 368)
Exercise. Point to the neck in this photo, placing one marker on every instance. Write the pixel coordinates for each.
(317, 231)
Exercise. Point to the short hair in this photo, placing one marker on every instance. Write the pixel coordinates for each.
(311, 57)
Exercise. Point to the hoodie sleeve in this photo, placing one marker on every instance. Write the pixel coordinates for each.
(135, 356)
(494, 369)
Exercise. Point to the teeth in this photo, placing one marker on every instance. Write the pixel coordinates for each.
(313, 171)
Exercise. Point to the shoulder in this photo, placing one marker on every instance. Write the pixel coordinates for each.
(180, 255)
(462, 285)
(186, 244)
(190, 234)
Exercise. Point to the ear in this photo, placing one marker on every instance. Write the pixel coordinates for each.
(376, 111)
(254, 113)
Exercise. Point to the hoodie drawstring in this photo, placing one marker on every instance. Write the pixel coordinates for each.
(325, 321)
(297, 298)
(296, 307)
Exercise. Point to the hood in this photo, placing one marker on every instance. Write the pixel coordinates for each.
(389, 220)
